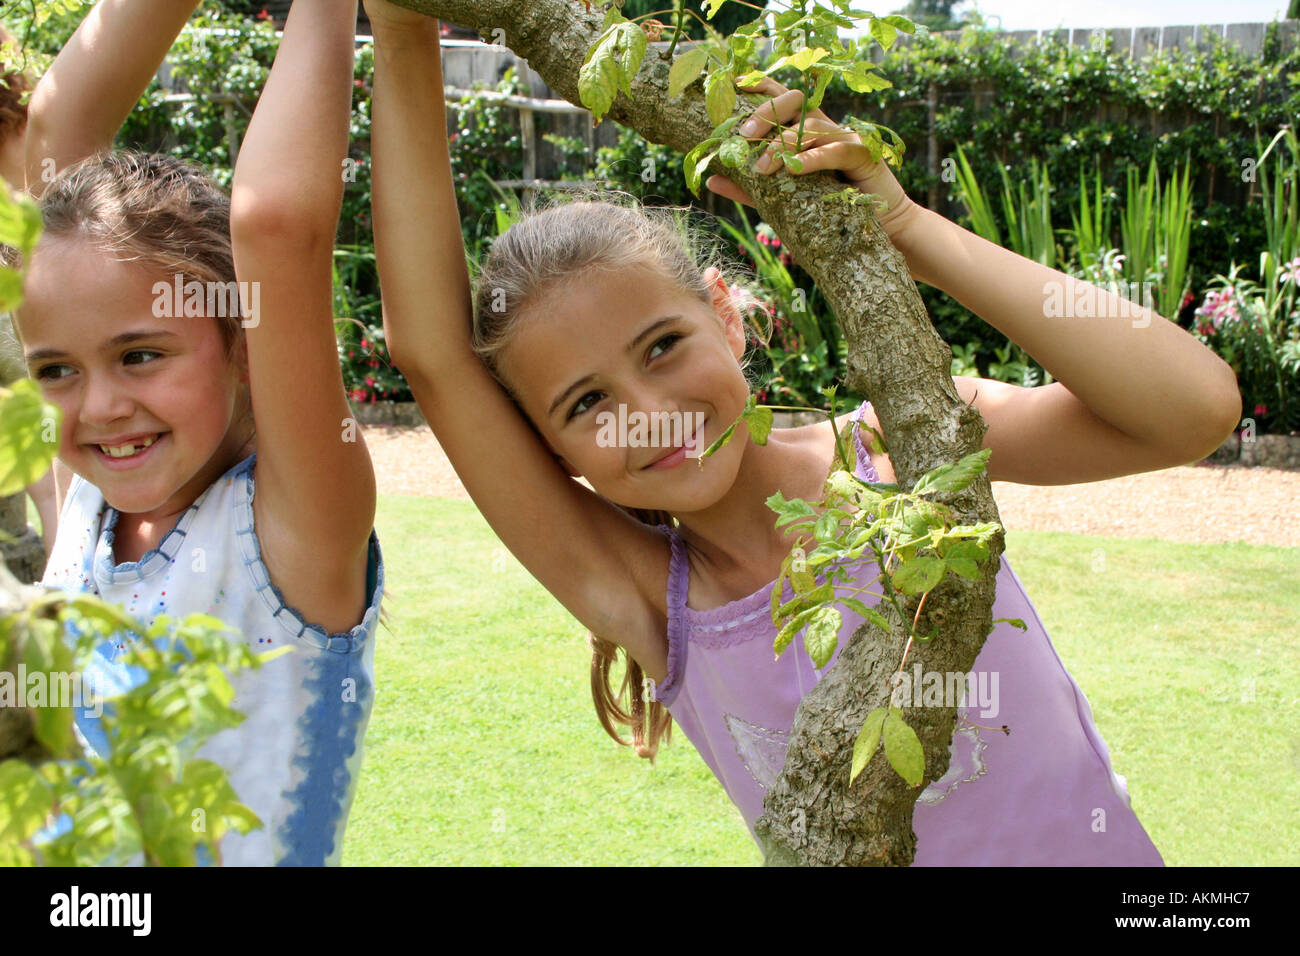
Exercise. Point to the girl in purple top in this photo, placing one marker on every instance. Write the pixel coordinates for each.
(591, 320)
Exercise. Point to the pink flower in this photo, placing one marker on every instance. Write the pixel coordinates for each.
(1261, 410)
(370, 382)
(351, 354)
(365, 344)
(1291, 271)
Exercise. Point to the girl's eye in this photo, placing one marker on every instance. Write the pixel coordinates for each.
(578, 406)
(671, 339)
(41, 375)
(142, 352)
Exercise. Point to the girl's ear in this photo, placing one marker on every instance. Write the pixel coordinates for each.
(724, 306)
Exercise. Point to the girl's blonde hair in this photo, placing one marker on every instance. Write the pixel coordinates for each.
(151, 208)
(564, 238)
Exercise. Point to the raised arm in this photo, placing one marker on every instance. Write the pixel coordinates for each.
(82, 100)
(315, 498)
(586, 552)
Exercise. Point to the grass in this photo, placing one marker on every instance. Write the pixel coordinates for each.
(484, 747)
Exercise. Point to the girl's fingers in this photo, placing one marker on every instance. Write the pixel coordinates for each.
(775, 113)
(725, 188)
(816, 132)
(836, 155)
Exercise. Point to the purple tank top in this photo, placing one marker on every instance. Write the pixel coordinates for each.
(1044, 795)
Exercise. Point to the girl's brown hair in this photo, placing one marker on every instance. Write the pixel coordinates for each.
(548, 245)
(14, 87)
(151, 208)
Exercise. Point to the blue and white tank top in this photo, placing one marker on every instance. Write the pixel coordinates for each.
(295, 759)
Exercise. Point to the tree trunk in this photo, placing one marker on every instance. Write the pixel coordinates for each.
(895, 357)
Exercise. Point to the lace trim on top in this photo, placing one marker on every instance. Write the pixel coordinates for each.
(678, 586)
(729, 623)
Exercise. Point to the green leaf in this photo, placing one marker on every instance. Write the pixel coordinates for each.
(803, 582)
(632, 46)
(826, 528)
(868, 613)
(900, 23)
(953, 477)
(714, 6)
(824, 78)
(1013, 621)
(963, 566)
(884, 32)
(800, 60)
(903, 748)
(862, 78)
(610, 65)
(791, 628)
(759, 417)
(26, 421)
(822, 635)
(742, 47)
(726, 435)
(598, 79)
(919, 574)
(720, 95)
(791, 509)
(20, 221)
(25, 800)
(778, 589)
(734, 152)
(868, 740)
(686, 68)
(965, 549)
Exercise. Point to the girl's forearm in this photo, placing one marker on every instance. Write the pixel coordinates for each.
(421, 256)
(93, 84)
(290, 171)
(1133, 368)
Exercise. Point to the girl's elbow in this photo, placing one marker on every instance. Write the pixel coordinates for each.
(267, 216)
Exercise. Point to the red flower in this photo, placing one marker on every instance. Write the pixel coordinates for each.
(264, 15)
(1261, 410)
(370, 381)
(365, 344)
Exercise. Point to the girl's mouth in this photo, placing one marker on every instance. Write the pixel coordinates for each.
(127, 456)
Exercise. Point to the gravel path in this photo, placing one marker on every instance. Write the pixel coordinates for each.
(1196, 503)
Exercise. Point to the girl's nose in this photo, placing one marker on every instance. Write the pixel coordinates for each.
(102, 401)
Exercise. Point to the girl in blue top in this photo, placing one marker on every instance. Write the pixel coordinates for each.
(188, 339)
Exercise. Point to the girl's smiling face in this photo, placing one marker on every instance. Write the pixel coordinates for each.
(633, 338)
(117, 372)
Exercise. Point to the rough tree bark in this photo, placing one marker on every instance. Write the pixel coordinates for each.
(811, 814)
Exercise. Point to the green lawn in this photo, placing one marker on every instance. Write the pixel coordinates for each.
(484, 746)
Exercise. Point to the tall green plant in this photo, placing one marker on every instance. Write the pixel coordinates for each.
(1281, 211)
(1091, 221)
(1027, 211)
